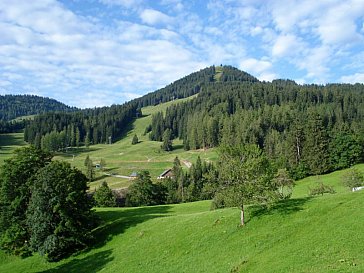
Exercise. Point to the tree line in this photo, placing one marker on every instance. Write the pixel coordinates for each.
(57, 131)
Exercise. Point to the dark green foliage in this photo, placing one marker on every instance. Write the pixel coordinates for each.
(320, 189)
(167, 140)
(157, 127)
(88, 126)
(90, 172)
(316, 152)
(345, 148)
(12, 126)
(104, 196)
(13, 106)
(353, 178)
(16, 181)
(59, 215)
(143, 192)
(135, 140)
(306, 129)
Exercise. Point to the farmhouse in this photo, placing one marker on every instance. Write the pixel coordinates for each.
(133, 175)
(166, 174)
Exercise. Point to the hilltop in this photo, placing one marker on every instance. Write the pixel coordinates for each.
(14, 106)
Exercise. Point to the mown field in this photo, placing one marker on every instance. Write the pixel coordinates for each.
(8, 143)
(303, 234)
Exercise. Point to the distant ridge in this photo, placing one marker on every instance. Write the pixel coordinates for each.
(14, 106)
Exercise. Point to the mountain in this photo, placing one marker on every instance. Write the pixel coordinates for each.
(101, 125)
(306, 129)
(13, 106)
(192, 84)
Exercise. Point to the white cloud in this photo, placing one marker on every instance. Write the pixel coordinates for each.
(286, 45)
(338, 26)
(258, 68)
(316, 64)
(123, 3)
(254, 65)
(355, 78)
(154, 17)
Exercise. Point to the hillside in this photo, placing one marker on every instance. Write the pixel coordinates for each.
(14, 106)
(123, 158)
(322, 234)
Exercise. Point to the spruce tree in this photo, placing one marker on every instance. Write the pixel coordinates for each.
(59, 215)
(135, 140)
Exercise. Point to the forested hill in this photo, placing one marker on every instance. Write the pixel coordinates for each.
(307, 129)
(13, 106)
(192, 84)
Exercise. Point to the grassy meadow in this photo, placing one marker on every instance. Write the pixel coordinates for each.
(8, 144)
(321, 234)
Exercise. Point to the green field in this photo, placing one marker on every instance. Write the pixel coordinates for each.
(8, 143)
(321, 234)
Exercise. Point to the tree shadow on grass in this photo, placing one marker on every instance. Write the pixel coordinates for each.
(90, 264)
(115, 222)
(282, 207)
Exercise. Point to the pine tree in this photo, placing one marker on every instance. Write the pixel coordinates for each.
(104, 196)
(135, 140)
(167, 140)
(316, 152)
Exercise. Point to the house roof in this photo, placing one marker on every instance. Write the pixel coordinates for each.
(165, 172)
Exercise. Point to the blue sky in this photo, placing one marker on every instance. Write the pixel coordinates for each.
(90, 53)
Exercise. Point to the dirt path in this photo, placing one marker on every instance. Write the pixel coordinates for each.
(187, 163)
(118, 176)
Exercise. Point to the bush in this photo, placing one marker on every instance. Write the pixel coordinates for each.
(353, 178)
(321, 188)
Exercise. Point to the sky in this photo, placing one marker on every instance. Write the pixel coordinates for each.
(89, 53)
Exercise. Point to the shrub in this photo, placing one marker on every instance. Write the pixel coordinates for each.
(321, 188)
(353, 178)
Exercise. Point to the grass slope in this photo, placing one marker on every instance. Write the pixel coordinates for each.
(8, 143)
(322, 234)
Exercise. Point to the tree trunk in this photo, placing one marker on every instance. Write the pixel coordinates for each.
(242, 216)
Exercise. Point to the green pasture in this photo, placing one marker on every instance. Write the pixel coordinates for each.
(321, 234)
(8, 144)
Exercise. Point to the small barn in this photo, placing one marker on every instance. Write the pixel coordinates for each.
(166, 174)
(133, 175)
